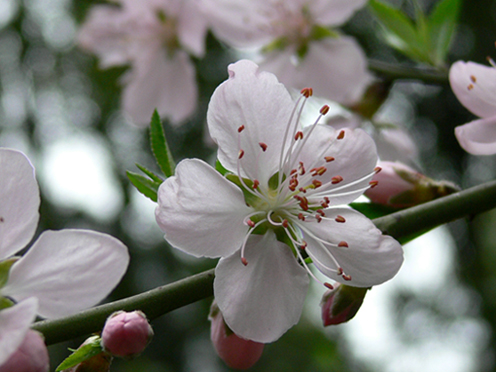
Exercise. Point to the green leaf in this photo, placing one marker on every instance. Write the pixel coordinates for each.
(91, 348)
(144, 185)
(442, 23)
(149, 173)
(373, 210)
(159, 145)
(5, 266)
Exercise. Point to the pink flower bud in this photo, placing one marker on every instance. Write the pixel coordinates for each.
(235, 351)
(31, 356)
(400, 186)
(126, 334)
(341, 304)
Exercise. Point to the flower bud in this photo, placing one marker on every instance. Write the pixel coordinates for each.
(126, 334)
(31, 356)
(235, 351)
(400, 186)
(341, 304)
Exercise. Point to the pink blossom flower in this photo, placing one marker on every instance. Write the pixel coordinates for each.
(65, 271)
(277, 203)
(126, 334)
(31, 356)
(298, 41)
(235, 351)
(475, 87)
(341, 304)
(154, 37)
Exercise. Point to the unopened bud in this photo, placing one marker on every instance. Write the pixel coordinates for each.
(341, 304)
(400, 186)
(31, 356)
(235, 351)
(126, 334)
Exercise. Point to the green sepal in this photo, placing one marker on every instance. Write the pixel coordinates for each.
(5, 269)
(220, 168)
(373, 210)
(347, 296)
(146, 186)
(278, 44)
(91, 347)
(159, 145)
(319, 32)
(5, 303)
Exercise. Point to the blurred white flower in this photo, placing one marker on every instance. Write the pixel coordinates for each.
(475, 87)
(154, 37)
(298, 41)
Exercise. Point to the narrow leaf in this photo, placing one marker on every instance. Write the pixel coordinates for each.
(85, 352)
(149, 173)
(442, 24)
(144, 185)
(159, 145)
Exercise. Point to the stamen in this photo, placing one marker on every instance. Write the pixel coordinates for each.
(470, 86)
(373, 184)
(474, 80)
(241, 128)
(301, 216)
(346, 277)
(263, 146)
(324, 110)
(377, 169)
(328, 159)
(340, 135)
(256, 183)
(316, 183)
(240, 154)
(343, 244)
(244, 261)
(250, 223)
(321, 212)
(329, 285)
(340, 219)
(336, 179)
(298, 135)
(307, 92)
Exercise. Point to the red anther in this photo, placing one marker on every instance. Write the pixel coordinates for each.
(293, 183)
(328, 159)
(241, 128)
(250, 223)
(326, 199)
(240, 154)
(328, 285)
(321, 212)
(470, 86)
(340, 135)
(301, 168)
(316, 183)
(293, 171)
(304, 205)
(377, 169)
(340, 219)
(301, 216)
(373, 184)
(474, 80)
(324, 204)
(343, 244)
(298, 197)
(244, 261)
(307, 92)
(346, 277)
(298, 135)
(324, 110)
(318, 171)
(285, 223)
(340, 271)
(303, 190)
(318, 218)
(255, 184)
(336, 179)
(263, 146)
(303, 245)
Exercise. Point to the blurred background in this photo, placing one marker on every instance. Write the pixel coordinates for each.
(63, 111)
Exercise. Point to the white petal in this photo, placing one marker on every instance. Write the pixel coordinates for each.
(20, 200)
(201, 212)
(262, 300)
(478, 137)
(159, 81)
(263, 105)
(334, 12)
(370, 258)
(475, 87)
(192, 27)
(336, 68)
(355, 159)
(238, 23)
(14, 323)
(68, 270)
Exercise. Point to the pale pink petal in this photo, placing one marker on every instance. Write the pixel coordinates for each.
(475, 87)
(192, 27)
(370, 258)
(262, 300)
(14, 323)
(201, 212)
(20, 200)
(355, 158)
(336, 68)
(158, 80)
(333, 12)
(478, 137)
(68, 270)
(257, 101)
(239, 23)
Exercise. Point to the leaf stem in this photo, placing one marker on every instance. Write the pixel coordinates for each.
(390, 71)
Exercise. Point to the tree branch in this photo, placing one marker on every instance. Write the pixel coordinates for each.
(401, 225)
